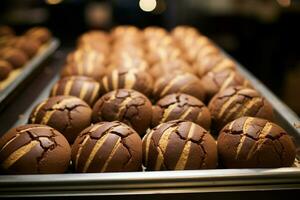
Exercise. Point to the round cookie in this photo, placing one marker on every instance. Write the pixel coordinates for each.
(107, 147)
(213, 63)
(235, 102)
(5, 69)
(250, 142)
(182, 31)
(84, 68)
(42, 34)
(154, 32)
(181, 106)
(127, 79)
(169, 66)
(14, 56)
(215, 82)
(69, 115)
(179, 83)
(28, 45)
(123, 31)
(34, 149)
(82, 87)
(125, 105)
(179, 145)
(128, 63)
(94, 40)
(161, 54)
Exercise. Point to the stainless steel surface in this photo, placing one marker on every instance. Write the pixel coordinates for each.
(166, 182)
(197, 181)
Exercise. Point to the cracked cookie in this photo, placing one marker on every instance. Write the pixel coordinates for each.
(127, 79)
(41, 34)
(69, 115)
(33, 149)
(250, 142)
(84, 62)
(215, 82)
(179, 145)
(5, 69)
(82, 87)
(16, 57)
(235, 102)
(107, 147)
(213, 63)
(179, 83)
(169, 66)
(181, 106)
(128, 106)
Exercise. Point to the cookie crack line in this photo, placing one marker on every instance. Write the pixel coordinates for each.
(190, 139)
(129, 152)
(65, 108)
(233, 132)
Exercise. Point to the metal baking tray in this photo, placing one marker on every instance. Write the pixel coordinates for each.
(14, 82)
(194, 182)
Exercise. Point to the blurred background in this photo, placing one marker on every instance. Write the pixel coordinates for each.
(263, 35)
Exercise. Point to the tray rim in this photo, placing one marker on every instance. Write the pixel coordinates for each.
(159, 182)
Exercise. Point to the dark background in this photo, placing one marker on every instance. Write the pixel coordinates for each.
(263, 35)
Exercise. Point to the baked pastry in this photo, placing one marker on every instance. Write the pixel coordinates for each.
(28, 45)
(125, 105)
(235, 102)
(69, 115)
(170, 66)
(34, 149)
(82, 87)
(213, 63)
(215, 82)
(14, 56)
(107, 147)
(179, 83)
(179, 145)
(181, 106)
(42, 34)
(5, 69)
(250, 142)
(128, 79)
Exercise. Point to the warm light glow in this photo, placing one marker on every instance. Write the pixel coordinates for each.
(53, 2)
(284, 3)
(147, 5)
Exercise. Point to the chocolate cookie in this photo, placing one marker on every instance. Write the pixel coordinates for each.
(82, 87)
(250, 142)
(213, 63)
(94, 40)
(179, 83)
(170, 66)
(85, 63)
(42, 34)
(127, 79)
(33, 149)
(5, 69)
(29, 46)
(125, 105)
(181, 106)
(215, 82)
(14, 56)
(179, 145)
(69, 115)
(235, 102)
(107, 147)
